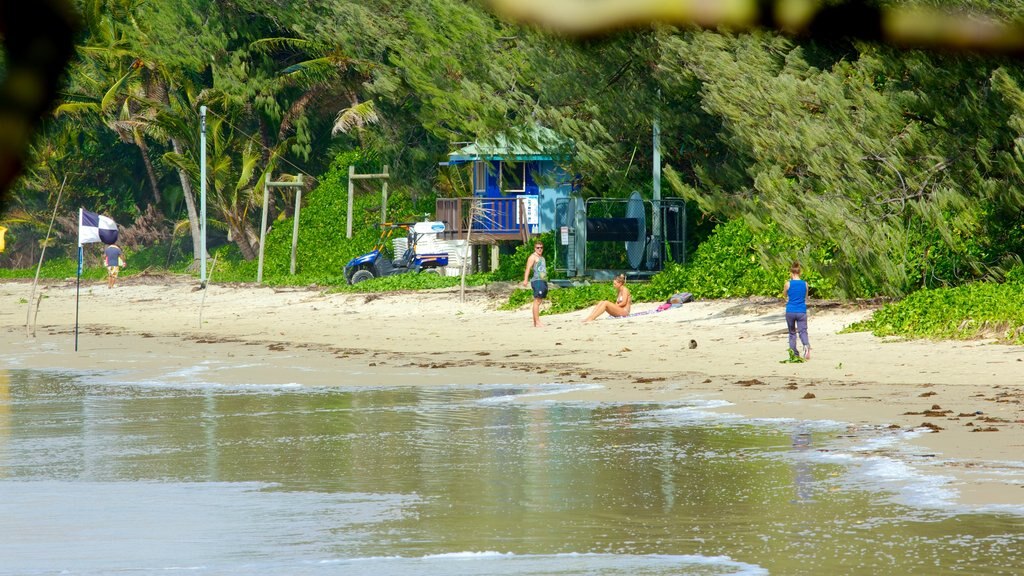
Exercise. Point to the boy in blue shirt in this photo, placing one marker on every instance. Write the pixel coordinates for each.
(795, 292)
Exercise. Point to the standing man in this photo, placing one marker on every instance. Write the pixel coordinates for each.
(539, 284)
(114, 259)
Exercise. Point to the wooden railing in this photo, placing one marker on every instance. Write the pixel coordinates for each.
(492, 219)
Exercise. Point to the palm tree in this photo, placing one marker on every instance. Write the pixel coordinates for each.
(133, 94)
(236, 184)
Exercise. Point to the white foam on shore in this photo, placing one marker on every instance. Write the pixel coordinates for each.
(538, 391)
(876, 459)
(490, 563)
(700, 410)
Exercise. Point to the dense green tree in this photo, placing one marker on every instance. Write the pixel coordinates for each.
(873, 151)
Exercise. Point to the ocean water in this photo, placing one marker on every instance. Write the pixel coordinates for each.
(103, 475)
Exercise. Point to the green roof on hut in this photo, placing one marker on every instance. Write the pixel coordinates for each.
(541, 144)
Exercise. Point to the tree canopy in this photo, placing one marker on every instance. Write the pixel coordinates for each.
(892, 169)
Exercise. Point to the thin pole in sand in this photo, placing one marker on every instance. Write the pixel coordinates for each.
(78, 283)
(39, 267)
(209, 280)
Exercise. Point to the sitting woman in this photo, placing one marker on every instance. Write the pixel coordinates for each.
(620, 307)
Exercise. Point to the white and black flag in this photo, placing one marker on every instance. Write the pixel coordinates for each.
(93, 227)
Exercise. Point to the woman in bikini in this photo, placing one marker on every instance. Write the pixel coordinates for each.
(619, 308)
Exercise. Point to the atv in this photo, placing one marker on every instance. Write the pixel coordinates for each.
(375, 264)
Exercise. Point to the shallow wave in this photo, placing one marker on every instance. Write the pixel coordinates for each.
(493, 563)
(875, 459)
(539, 391)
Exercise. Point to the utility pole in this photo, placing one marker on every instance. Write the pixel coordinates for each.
(656, 232)
(202, 196)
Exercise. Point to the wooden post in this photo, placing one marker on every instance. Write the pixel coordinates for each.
(384, 197)
(351, 191)
(267, 185)
(263, 227)
(295, 228)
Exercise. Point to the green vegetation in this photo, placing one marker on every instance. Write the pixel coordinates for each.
(735, 261)
(62, 268)
(323, 249)
(424, 281)
(980, 310)
(563, 299)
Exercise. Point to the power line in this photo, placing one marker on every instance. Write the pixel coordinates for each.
(259, 143)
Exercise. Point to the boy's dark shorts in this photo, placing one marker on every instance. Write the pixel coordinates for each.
(540, 288)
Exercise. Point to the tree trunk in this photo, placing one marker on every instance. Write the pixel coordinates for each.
(150, 172)
(242, 239)
(190, 205)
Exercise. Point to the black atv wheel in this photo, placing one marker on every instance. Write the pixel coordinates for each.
(360, 276)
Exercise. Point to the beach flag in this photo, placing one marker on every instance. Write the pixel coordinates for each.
(93, 227)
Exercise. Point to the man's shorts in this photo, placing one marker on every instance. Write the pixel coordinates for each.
(112, 271)
(540, 288)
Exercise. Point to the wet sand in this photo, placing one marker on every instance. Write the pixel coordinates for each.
(968, 395)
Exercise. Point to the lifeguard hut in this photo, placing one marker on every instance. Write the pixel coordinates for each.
(516, 185)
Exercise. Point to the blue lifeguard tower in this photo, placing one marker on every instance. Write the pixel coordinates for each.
(515, 187)
(519, 189)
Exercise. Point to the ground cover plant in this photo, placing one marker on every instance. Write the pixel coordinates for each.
(978, 310)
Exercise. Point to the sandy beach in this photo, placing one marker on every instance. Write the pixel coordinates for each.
(965, 398)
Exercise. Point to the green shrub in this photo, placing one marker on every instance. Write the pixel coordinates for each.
(1016, 274)
(518, 298)
(413, 281)
(63, 269)
(512, 266)
(579, 297)
(731, 263)
(978, 310)
(571, 298)
(156, 256)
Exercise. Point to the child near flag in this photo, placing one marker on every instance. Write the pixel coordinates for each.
(114, 259)
(93, 227)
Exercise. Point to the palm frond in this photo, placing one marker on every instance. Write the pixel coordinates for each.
(357, 116)
(76, 109)
(111, 95)
(250, 157)
(269, 45)
(318, 71)
(106, 52)
(181, 162)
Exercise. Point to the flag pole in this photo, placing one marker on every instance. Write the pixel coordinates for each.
(78, 283)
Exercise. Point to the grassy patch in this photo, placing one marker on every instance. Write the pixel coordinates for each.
(978, 310)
